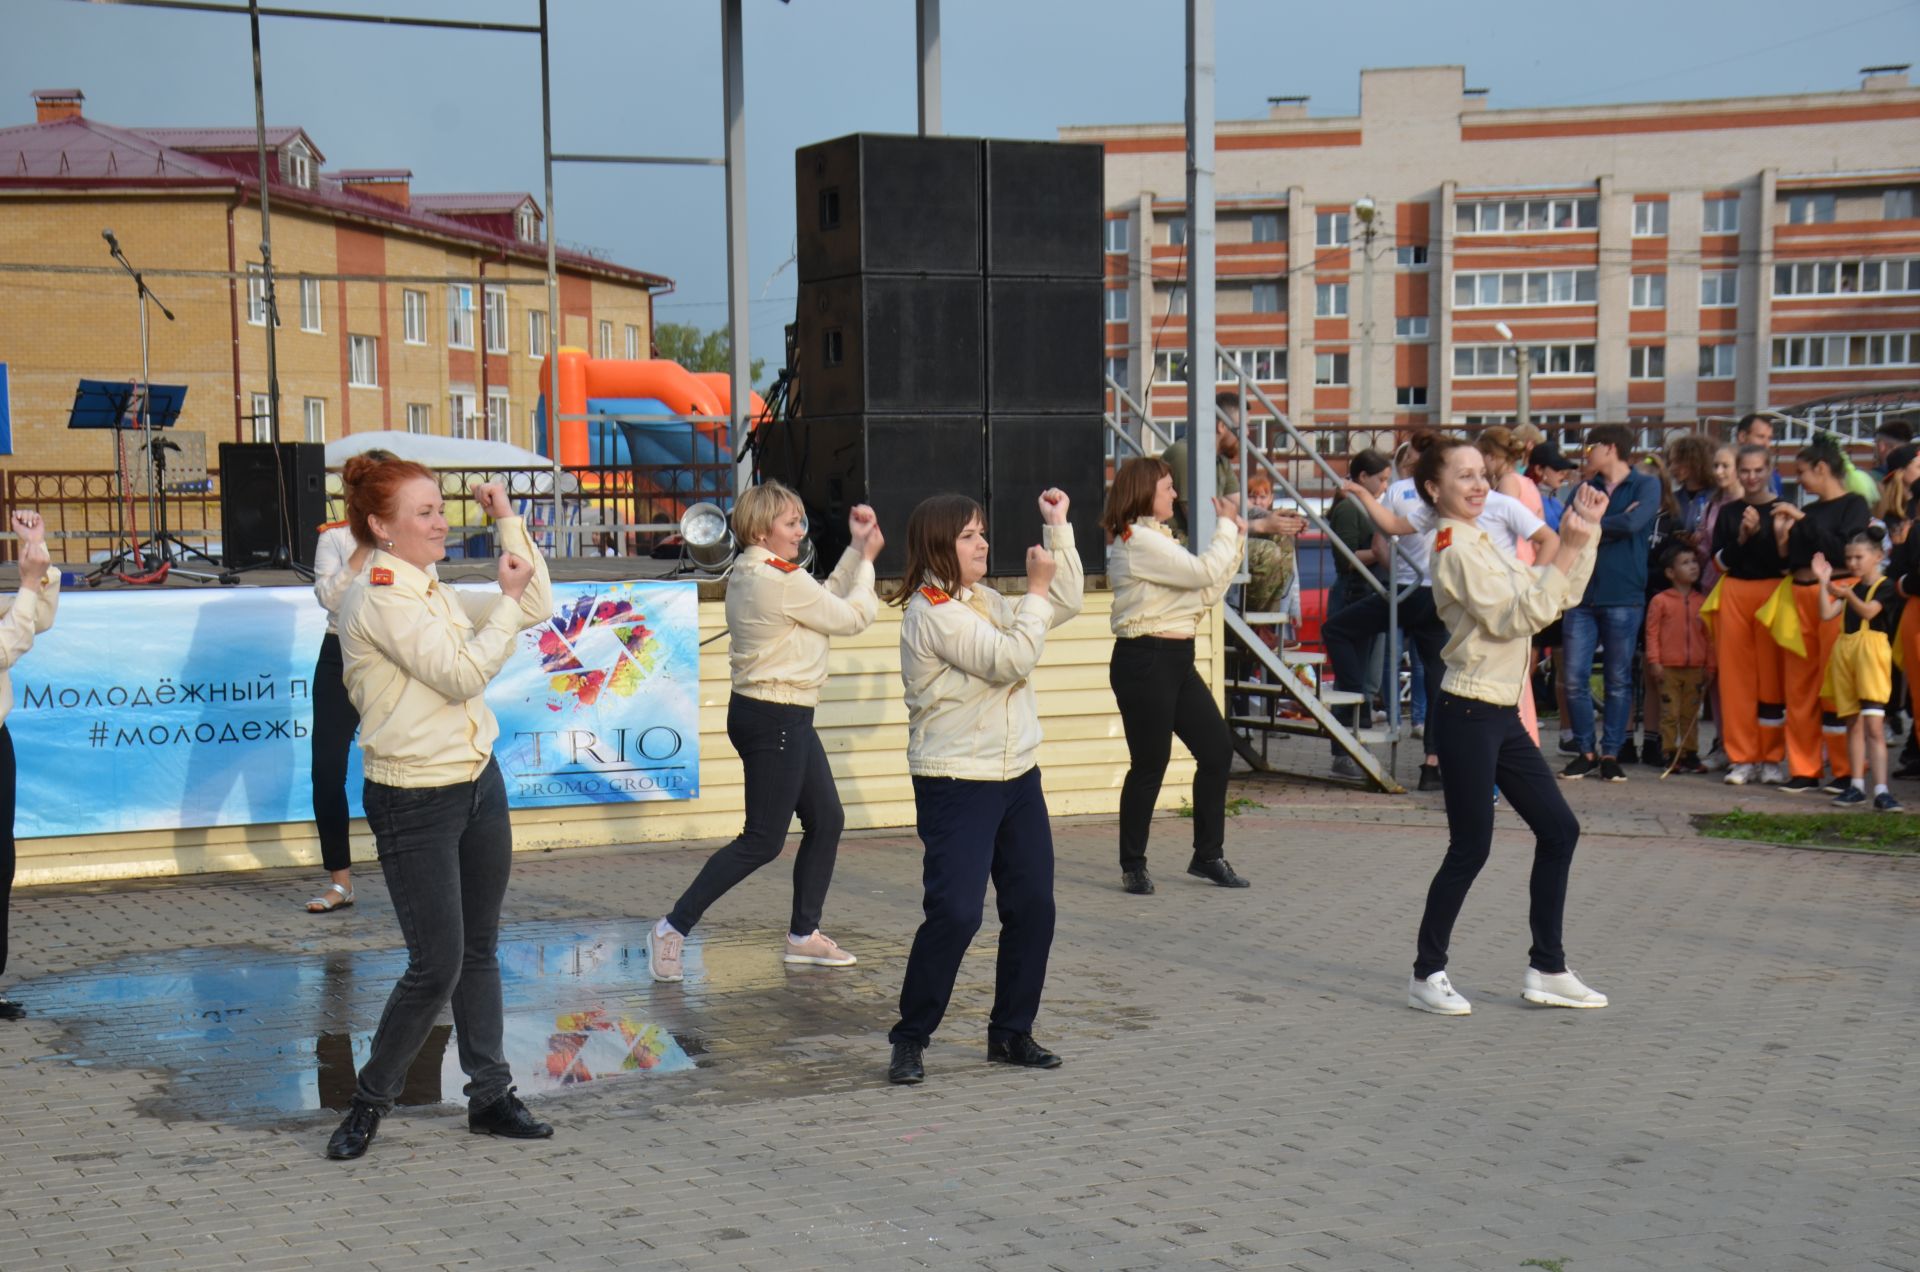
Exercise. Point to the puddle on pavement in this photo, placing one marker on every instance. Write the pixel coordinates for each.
(239, 1032)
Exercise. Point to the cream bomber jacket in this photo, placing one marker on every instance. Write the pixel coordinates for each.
(1492, 605)
(1160, 588)
(418, 657)
(780, 621)
(966, 660)
(331, 578)
(32, 613)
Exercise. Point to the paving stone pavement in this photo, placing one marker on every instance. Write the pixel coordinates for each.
(1244, 1087)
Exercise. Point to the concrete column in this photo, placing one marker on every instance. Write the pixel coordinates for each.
(1615, 293)
(1686, 213)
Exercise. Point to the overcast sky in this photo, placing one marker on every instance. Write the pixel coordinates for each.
(462, 110)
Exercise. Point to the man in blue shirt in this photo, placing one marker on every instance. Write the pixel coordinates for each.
(1610, 613)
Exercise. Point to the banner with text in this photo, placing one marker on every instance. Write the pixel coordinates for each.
(173, 709)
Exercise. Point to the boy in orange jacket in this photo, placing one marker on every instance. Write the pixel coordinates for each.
(1680, 658)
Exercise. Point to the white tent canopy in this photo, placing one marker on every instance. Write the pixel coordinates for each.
(452, 452)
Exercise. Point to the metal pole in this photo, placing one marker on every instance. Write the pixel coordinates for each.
(146, 442)
(1523, 371)
(1200, 343)
(733, 89)
(266, 253)
(553, 278)
(1366, 316)
(927, 27)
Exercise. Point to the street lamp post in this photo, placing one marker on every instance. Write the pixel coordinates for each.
(1365, 211)
(1523, 376)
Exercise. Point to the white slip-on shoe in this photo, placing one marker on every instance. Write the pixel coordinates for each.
(1773, 775)
(1560, 989)
(1740, 774)
(1437, 995)
(818, 950)
(664, 951)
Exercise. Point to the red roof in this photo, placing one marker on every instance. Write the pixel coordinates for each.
(83, 153)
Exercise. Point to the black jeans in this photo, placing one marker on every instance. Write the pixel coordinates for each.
(1161, 696)
(786, 773)
(446, 852)
(1350, 634)
(1488, 746)
(6, 837)
(974, 831)
(334, 724)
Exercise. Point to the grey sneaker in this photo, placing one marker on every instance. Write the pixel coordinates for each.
(1345, 766)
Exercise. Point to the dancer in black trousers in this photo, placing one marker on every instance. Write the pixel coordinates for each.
(1161, 591)
(31, 614)
(1492, 605)
(967, 656)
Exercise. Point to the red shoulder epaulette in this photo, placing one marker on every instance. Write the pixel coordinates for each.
(934, 595)
(329, 525)
(785, 567)
(1126, 536)
(380, 576)
(1443, 539)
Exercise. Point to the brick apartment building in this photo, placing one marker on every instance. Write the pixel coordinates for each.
(390, 345)
(1665, 261)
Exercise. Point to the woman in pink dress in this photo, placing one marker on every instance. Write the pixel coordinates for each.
(1506, 456)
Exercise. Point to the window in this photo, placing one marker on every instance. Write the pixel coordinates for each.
(1810, 209)
(536, 333)
(1117, 368)
(1840, 278)
(1529, 216)
(459, 316)
(1268, 298)
(606, 338)
(527, 225)
(1650, 218)
(494, 320)
(1117, 302)
(1414, 257)
(419, 417)
(299, 167)
(1411, 328)
(1530, 287)
(1266, 227)
(309, 304)
(1470, 361)
(1118, 239)
(262, 418)
(633, 342)
(1897, 205)
(256, 295)
(1410, 395)
(1719, 288)
(1716, 362)
(1647, 362)
(460, 414)
(1329, 368)
(1330, 300)
(1176, 231)
(1330, 229)
(413, 317)
(499, 415)
(1177, 299)
(316, 419)
(1266, 366)
(1722, 216)
(1650, 290)
(363, 362)
(1879, 349)
(1170, 367)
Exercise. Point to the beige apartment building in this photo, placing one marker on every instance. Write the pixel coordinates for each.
(1663, 261)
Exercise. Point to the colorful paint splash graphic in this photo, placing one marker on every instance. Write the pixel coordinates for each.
(575, 1053)
(599, 644)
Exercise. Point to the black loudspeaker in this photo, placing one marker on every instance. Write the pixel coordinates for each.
(876, 204)
(1045, 345)
(254, 479)
(1025, 455)
(889, 461)
(1045, 209)
(879, 344)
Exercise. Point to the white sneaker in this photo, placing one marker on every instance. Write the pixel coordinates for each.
(1740, 774)
(1437, 995)
(1562, 989)
(1773, 775)
(819, 951)
(663, 954)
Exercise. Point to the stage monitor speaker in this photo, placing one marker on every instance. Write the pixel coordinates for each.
(879, 344)
(1025, 455)
(253, 479)
(889, 461)
(1045, 209)
(871, 203)
(1045, 345)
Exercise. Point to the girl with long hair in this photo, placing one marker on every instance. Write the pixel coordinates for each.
(30, 615)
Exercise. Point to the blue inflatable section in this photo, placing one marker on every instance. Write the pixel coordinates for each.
(670, 444)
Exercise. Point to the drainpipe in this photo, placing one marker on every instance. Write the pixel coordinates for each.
(233, 307)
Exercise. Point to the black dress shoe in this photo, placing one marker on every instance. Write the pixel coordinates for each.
(1022, 1050)
(507, 1118)
(355, 1132)
(905, 1069)
(1216, 871)
(10, 1010)
(1138, 882)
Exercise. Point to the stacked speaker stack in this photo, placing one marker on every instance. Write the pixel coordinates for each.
(949, 337)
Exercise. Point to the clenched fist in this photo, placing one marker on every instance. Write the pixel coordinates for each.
(1053, 506)
(492, 498)
(514, 574)
(1040, 568)
(864, 529)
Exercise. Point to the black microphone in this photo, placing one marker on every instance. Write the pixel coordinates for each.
(112, 242)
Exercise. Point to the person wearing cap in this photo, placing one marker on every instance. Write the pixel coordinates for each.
(418, 656)
(30, 615)
(1892, 435)
(1549, 470)
(780, 624)
(967, 658)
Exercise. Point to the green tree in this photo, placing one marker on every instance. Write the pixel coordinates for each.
(698, 350)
